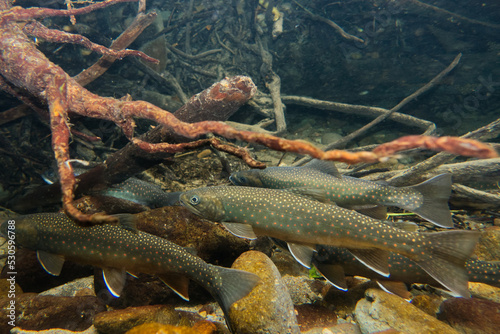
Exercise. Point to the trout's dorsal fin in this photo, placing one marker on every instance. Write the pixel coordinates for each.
(178, 283)
(373, 258)
(395, 287)
(127, 221)
(302, 253)
(327, 167)
(241, 230)
(334, 274)
(52, 263)
(114, 279)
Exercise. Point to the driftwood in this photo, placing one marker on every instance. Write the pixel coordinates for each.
(463, 172)
(343, 141)
(467, 196)
(332, 24)
(484, 133)
(444, 14)
(26, 72)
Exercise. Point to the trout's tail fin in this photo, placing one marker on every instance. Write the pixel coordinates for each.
(444, 258)
(436, 192)
(229, 286)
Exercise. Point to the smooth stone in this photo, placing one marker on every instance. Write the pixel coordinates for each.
(34, 312)
(120, 321)
(268, 308)
(72, 288)
(202, 327)
(381, 311)
(485, 291)
(471, 315)
(337, 329)
(17, 330)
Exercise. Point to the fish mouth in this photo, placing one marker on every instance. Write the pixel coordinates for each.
(185, 203)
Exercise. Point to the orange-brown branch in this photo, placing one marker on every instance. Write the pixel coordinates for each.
(23, 66)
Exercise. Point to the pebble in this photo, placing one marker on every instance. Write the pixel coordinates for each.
(268, 308)
(337, 329)
(485, 291)
(305, 290)
(120, 321)
(471, 315)
(205, 327)
(381, 311)
(71, 289)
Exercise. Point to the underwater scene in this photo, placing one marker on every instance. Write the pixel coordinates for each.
(249, 166)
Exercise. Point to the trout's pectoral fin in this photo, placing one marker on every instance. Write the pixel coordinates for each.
(241, 230)
(134, 275)
(178, 283)
(395, 287)
(375, 211)
(373, 258)
(52, 263)
(334, 274)
(115, 280)
(302, 253)
(405, 226)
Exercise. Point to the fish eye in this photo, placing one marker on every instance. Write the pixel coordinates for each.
(194, 200)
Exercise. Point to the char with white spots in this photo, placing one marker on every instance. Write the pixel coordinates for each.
(336, 263)
(142, 192)
(120, 248)
(304, 223)
(428, 199)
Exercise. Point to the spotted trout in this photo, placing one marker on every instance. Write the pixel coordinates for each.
(118, 249)
(132, 189)
(142, 192)
(304, 223)
(429, 199)
(335, 263)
